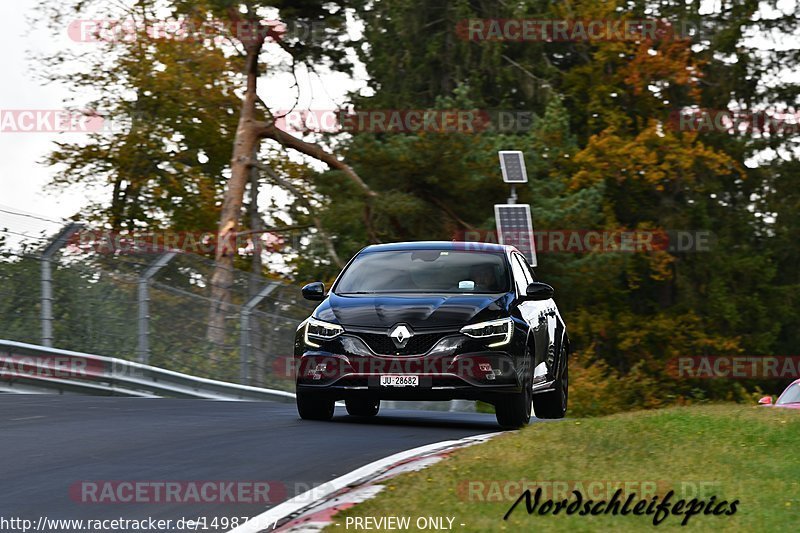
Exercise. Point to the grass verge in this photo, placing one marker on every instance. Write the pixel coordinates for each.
(729, 452)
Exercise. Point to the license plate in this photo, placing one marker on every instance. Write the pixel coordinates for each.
(399, 381)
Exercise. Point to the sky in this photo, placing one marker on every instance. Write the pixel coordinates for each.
(21, 178)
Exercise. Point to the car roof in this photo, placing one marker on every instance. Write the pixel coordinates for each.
(440, 245)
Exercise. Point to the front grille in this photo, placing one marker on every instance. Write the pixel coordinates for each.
(382, 344)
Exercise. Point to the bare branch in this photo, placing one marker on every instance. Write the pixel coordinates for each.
(270, 131)
(288, 185)
(449, 212)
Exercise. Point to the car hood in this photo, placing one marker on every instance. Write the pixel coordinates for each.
(418, 311)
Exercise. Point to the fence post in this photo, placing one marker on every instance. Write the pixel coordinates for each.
(143, 349)
(244, 333)
(47, 280)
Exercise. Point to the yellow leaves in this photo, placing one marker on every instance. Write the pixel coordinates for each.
(591, 388)
(660, 265)
(668, 61)
(656, 157)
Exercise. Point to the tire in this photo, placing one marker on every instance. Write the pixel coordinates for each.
(362, 407)
(513, 411)
(314, 407)
(553, 404)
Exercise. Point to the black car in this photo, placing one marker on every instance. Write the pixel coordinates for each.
(434, 321)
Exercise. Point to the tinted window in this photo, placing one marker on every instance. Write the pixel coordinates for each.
(445, 271)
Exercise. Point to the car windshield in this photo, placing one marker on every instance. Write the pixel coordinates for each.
(790, 395)
(425, 271)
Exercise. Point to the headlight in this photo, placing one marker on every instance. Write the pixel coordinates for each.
(501, 329)
(317, 329)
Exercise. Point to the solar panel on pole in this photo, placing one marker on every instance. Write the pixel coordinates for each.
(515, 227)
(512, 163)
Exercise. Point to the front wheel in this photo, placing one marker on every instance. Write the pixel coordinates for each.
(314, 407)
(362, 407)
(553, 404)
(513, 411)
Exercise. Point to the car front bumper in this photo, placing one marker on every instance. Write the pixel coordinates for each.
(457, 367)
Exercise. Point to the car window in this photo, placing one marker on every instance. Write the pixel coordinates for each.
(790, 395)
(520, 275)
(525, 269)
(446, 271)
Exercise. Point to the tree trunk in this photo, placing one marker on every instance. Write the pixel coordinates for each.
(248, 135)
(245, 143)
(256, 226)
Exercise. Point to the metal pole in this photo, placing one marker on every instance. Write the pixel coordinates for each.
(244, 347)
(513, 198)
(244, 334)
(47, 280)
(143, 349)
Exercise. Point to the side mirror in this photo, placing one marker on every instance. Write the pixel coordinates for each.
(766, 400)
(539, 291)
(314, 291)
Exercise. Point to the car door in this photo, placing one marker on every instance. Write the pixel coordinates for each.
(539, 316)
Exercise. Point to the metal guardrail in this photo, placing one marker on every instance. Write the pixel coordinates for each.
(32, 368)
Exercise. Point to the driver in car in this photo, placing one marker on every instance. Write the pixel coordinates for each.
(484, 277)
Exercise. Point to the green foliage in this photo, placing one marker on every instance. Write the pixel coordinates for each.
(602, 154)
(171, 110)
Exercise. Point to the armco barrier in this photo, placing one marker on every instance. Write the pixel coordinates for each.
(31, 368)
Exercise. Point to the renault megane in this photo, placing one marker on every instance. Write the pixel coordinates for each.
(434, 321)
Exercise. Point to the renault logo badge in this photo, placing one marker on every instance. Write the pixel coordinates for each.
(400, 335)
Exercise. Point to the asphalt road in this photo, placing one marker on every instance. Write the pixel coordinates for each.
(51, 446)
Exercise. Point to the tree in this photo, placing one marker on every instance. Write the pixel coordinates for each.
(168, 108)
(255, 123)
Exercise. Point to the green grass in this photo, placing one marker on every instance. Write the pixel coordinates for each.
(734, 452)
